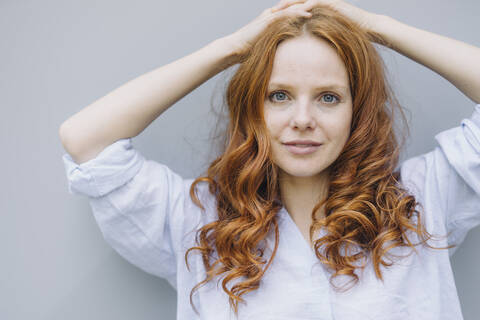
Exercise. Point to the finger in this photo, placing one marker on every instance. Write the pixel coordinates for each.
(286, 3)
(310, 4)
(292, 12)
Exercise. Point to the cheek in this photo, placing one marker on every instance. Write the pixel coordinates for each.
(337, 130)
(343, 121)
(274, 125)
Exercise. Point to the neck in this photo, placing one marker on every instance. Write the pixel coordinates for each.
(301, 194)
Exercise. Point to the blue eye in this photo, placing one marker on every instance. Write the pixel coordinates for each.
(277, 93)
(330, 98)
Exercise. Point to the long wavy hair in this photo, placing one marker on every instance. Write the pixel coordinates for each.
(366, 207)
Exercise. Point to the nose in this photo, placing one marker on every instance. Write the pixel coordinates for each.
(303, 117)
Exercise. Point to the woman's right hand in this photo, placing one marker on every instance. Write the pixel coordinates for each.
(243, 39)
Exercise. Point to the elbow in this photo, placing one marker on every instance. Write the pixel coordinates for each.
(65, 139)
(62, 133)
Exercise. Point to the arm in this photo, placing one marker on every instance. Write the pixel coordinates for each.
(129, 109)
(456, 61)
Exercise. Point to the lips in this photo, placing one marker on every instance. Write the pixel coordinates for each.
(303, 143)
(301, 150)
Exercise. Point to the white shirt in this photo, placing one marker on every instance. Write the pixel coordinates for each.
(145, 213)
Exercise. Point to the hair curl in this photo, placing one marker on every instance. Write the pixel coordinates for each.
(366, 207)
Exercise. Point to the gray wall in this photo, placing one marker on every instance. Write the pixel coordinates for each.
(59, 56)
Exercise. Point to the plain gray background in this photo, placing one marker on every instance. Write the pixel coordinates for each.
(59, 56)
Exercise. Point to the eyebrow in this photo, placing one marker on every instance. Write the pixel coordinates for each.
(332, 86)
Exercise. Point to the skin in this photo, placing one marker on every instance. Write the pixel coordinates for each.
(296, 110)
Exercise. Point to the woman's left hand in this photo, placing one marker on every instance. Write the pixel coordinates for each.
(366, 20)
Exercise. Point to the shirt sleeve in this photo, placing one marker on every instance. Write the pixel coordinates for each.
(448, 178)
(139, 205)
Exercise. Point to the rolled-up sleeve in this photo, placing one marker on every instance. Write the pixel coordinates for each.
(139, 205)
(110, 169)
(448, 178)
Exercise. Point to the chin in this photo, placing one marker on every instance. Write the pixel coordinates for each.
(295, 172)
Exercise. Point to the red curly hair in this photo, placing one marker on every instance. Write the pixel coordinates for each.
(366, 207)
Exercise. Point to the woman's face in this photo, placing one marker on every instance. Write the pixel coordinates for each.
(308, 98)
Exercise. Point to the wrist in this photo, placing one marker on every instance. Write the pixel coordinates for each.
(229, 49)
(375, 23)
(377, 28)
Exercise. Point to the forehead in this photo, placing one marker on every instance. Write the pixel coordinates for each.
(308, 61)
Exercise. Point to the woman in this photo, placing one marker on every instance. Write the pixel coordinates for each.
(304, 194)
